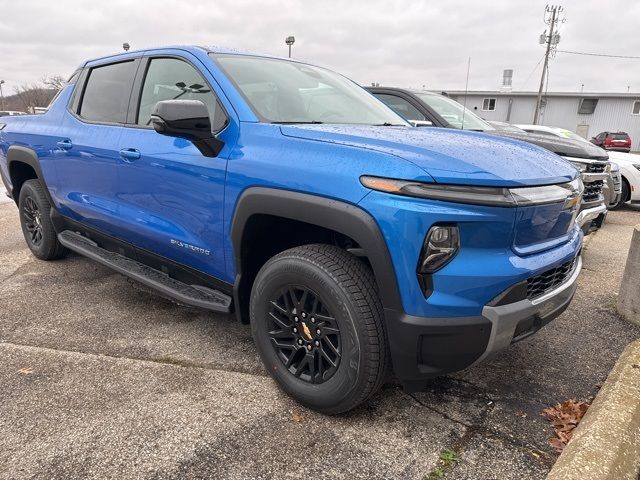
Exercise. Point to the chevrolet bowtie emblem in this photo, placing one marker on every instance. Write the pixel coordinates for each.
(306, 331)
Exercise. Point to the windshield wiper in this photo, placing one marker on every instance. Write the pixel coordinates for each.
(387, 124)
(312, 122)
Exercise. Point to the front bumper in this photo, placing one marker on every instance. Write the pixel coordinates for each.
(588, 214)
(422, 348)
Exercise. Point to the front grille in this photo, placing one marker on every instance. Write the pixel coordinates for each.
(547, 281)
(596, 167)
(592, 191)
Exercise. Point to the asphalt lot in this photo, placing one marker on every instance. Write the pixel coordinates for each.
(100, 379)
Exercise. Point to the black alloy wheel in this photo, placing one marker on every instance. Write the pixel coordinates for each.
(32, 221)
(304, 334)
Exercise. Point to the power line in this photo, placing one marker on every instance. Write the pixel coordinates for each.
(532, 72)
(599, 54)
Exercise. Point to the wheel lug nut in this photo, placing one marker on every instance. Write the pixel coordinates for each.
(300, 342)
(295, 330)
(304, 315)
(296, 319)
(309, 347)
(317, 343)
(318, 331)
(313, 320)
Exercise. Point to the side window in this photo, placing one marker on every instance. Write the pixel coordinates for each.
(171, 79)
(400, 106)
(107, 91)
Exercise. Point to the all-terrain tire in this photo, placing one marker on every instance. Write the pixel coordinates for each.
(36, 223)
(345, 286)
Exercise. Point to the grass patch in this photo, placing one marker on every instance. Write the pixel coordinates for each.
(448, 458)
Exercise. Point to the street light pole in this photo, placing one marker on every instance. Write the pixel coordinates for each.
(1, 96)
(290, 40)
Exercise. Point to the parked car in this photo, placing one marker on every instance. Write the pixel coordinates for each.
(616, 141)
(612, 189)
(441, 111)
(630, 176)
(11, 113)
(284, 192)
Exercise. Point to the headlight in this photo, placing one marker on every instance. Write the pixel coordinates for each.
(490, 196)
(615, 167)
(440, 246)
(582, 167)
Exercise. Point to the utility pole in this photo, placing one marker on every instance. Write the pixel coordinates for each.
(551, 41)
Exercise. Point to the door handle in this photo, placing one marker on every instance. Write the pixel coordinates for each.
(129, 154)
(65, 144)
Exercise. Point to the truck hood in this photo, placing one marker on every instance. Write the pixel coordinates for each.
(562, 146)
(450, 156)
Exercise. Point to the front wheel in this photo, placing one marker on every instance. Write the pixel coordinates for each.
(626, 195)
(317, 322)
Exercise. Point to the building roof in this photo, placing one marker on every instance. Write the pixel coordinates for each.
(498, 93)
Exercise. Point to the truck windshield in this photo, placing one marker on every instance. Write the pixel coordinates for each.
(281, 91)
(454, 113)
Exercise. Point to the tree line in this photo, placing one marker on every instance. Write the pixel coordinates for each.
(35, 94)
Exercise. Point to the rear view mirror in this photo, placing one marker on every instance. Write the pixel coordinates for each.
(421, 123)
(188, 119)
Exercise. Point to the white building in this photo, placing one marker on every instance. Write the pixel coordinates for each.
(587, 114)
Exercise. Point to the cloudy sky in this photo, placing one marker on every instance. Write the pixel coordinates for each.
(393, 42)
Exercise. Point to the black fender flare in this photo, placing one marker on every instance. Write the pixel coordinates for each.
(20, 154)
(342, 217)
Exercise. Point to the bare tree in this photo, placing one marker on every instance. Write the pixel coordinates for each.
(33, 95)
(55, 82)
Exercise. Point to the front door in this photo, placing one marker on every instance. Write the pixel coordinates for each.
(170, 195)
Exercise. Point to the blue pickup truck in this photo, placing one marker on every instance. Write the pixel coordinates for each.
(354, 244)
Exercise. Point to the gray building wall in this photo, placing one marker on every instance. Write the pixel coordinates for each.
(611, 113)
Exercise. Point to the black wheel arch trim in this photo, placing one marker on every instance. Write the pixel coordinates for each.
(336, 215)
(20, 154)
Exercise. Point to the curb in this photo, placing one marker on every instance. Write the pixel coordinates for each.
(606, 444)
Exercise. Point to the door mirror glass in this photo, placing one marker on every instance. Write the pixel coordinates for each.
(421, 123)
(187, 119)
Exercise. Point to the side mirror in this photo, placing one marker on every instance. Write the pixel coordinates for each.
(421, 123)
(188, 119)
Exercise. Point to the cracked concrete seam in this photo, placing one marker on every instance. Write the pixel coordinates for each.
(167, 362)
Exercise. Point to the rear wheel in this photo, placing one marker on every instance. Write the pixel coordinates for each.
(317, 322)
(37, 227)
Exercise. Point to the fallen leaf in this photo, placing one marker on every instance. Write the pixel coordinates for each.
(296, 417)
(564, 418)
(25, 371)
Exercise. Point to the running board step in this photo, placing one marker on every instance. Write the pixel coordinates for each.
(194, 295)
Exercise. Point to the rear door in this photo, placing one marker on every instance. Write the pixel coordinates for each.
(171, 196)
(87, 159)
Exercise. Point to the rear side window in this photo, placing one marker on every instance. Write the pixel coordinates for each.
(107, 91)
(171, 79)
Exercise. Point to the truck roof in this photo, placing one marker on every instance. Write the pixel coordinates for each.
(188, 48)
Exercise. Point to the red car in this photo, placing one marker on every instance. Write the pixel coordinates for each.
(619, 141)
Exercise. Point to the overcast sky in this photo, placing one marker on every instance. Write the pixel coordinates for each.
(393, 42)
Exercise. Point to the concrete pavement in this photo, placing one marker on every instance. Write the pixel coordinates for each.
(101, 379)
